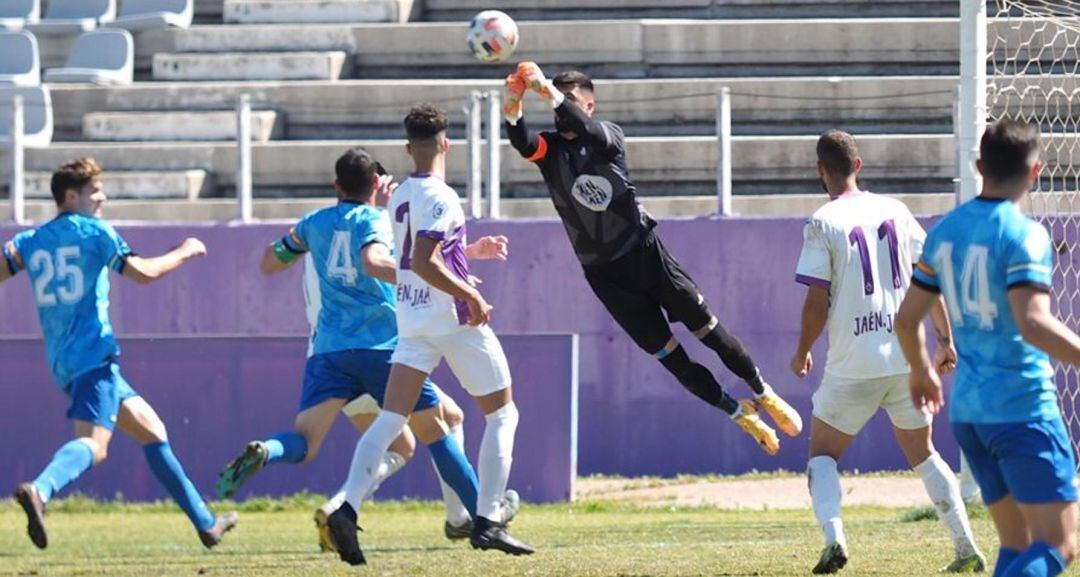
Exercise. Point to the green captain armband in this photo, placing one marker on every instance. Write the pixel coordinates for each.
(285, 254)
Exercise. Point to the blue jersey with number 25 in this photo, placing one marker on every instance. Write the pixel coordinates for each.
(68, 260)
(974, 256)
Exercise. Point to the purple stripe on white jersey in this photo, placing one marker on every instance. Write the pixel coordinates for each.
(453, 253)
(812, 281)
(432, 234)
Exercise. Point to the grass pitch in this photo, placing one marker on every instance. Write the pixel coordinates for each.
(405, 539)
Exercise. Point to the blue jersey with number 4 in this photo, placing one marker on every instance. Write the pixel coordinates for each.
(974, 256)
(356, 310)
(68, 260)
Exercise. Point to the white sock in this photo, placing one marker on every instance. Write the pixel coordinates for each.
(825, 494)
(369, 455)
(969, 488)
(456, 513)
(944, 491)
(496, 455)
(391, 463)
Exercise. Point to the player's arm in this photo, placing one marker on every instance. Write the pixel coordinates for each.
(427, 263)
(945, 356)
(12, 262)
(598, 134)
(282, 253)
(815, 315)
(925, 382)
(488, 248)
(378, 262)
(1038, 325)
(531, 147)
(146, 270)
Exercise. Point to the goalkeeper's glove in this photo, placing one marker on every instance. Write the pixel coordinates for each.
(515, 92)
(534, 78)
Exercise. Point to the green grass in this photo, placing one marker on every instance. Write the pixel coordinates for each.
(405, 539)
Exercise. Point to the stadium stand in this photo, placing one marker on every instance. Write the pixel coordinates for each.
(65, 17)
(885, 70)
(19, 59)
(15, 14)
(138, 15)
(37, 111)
(103, 56)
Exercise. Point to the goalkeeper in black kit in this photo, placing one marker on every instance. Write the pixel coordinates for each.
(642, 285)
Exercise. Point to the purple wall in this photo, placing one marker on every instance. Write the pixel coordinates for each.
(634, 418)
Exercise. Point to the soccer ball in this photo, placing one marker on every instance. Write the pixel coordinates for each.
(493, 36)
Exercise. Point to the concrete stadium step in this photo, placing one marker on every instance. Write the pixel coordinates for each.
(250, 66)
(612, 48)
(224, 209)
(178, 125)
(462, 10)
(315, 11)
(374, 108)
(188, 184)
(661, 166)
(208, 11)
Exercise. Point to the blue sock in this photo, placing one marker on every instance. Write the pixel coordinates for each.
(455, 469)
(70, 461)
(1005, 558)
(1039, 560)
(286, 446)
(171, 475)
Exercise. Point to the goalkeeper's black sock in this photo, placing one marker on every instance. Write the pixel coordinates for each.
(698, 380)
(734, 356)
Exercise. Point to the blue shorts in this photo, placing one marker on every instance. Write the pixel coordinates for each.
(352, 373)
(96, 395)
(1033, 461)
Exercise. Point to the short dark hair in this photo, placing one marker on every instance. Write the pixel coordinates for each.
(356, 171)
(73, 175)
(425, 122)
(573, 79)
(1007, 150)
(837, 152)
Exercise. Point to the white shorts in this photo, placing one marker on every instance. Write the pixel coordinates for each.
(847, 404)
(474, 354)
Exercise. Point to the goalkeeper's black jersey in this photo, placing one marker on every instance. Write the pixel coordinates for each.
(590, 185)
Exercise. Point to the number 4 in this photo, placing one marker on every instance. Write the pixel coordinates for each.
(340, 262)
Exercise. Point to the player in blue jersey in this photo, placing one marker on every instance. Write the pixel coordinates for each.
(68, 260)
(994, 266)
(355, 334)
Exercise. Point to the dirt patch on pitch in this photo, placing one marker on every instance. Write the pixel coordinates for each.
(788, 492)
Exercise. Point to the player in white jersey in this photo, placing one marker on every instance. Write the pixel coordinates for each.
(440, 314)
(857, 257)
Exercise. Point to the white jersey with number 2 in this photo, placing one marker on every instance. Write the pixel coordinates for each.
(861, 247)
(424, 206)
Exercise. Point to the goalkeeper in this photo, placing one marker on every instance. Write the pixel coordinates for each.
(584, 165)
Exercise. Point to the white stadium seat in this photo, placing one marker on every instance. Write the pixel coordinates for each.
(19, 59)
(74, 16)
(16, 14)
(136, 15)
(100, 57)
(37, 114)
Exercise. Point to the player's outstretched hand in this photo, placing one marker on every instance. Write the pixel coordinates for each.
(479, 310)
(489, 248)
(384, 189)
(945, 359)
(802, 364)
(926, 390)
(535, 80)
(515, 92)
(193, 248)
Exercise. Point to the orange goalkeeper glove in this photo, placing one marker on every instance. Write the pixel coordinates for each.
(534, 78)
(515, 91)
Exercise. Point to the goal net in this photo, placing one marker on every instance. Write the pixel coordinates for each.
(1032, 74)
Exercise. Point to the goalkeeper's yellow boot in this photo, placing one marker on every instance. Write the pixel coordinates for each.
(785, 416)
(326, 540)
(748, 419)
(974, 563)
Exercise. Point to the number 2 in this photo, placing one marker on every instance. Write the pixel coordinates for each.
(44, 269)
(887, 231)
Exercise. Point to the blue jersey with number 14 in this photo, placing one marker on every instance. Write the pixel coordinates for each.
(68, 260)
(356, 311)
(974, 256)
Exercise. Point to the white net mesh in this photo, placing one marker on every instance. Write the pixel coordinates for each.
(1034, 58)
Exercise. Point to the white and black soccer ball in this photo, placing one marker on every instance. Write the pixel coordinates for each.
(493, 36)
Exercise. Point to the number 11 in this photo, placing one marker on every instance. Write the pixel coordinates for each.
(887, 232)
